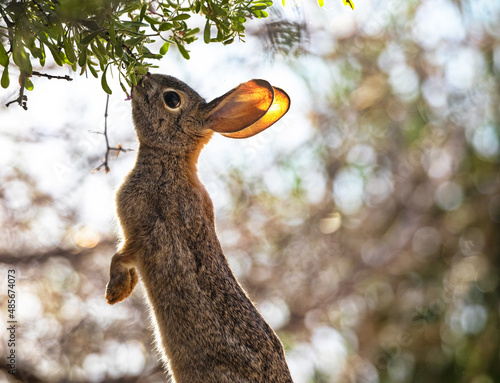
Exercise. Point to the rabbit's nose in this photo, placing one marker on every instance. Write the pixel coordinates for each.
(143, 79)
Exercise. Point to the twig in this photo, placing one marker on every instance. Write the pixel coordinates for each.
(49, 76)
(109, 149)
(21, 99)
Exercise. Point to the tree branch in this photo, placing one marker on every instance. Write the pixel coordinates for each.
(109, 149)
(21, 99)
(49, 76)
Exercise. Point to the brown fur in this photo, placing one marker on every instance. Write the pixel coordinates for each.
(208, 330)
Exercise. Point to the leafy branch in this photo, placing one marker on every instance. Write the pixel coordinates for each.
(98, 36)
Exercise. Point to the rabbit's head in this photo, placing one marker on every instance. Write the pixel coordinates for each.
(172, 117)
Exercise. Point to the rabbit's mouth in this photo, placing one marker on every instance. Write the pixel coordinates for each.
(142, 85)
(144, 79)
(140, 92)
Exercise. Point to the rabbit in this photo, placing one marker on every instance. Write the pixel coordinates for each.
(206, 327)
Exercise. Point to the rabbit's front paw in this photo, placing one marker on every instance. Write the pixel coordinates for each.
(121, 284)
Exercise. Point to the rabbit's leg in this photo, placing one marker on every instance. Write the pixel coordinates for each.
(122, 278)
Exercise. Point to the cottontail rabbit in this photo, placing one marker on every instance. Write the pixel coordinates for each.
(207, 328)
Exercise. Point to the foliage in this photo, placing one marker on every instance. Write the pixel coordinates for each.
(94, 36)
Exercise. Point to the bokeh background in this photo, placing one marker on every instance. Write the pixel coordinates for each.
(364, 225)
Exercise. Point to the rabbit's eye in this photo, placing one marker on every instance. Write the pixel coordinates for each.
(172, 99)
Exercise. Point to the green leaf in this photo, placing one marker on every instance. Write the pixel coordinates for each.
(182, 16)
(218, 10)
(21, 58)
(118, 48)
(151, 21)
(263, 6)
(109, 52)
(4, 58)
(142, 70)
(93, 71)
(133, 41)
(146, 53)
(183, 51)
(35, 51)
(5, 77)
(82, 60)
(143, 12)
(134, 25)
(43, 55)
(164, 48)
(124, 89)
(206, 32)
(96, 52)
(70, 53)
(88, 38)
(104, 83)
(102, 64)
(192, 32)
(19, 55)
(100, 47)
(28, 84)
(112, 35)
(239, 28)
(165, 27)
(133, 78)
(261, 14)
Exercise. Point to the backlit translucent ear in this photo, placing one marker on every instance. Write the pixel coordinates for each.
(279, 107)
(240, 107)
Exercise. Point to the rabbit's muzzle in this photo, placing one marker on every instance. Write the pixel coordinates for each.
(142, 90)
(142, 81)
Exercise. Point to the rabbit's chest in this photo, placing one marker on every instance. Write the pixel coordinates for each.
(144, 206)
(136, 206)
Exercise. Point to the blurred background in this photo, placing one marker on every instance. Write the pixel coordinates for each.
(364, 225)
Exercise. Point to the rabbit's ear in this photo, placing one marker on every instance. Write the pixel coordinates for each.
(240, 108)
(278, 108)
